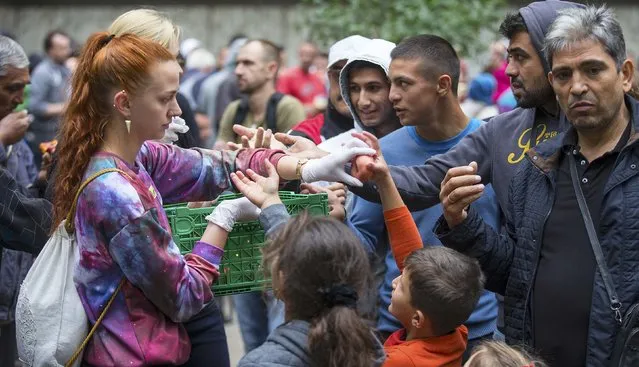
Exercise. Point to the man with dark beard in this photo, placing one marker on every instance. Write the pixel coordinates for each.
(256, 70)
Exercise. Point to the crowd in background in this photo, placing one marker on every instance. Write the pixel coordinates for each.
(457, 232)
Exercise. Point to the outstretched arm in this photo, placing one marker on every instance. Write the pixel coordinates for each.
(419, 185)
(402, 230)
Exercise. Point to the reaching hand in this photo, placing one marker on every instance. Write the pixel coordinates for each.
(177, 125)
(336, 198)
(261, 191)
(331, 167)
(228, 212)
(254, 138)
(378, 168)
(13, 127)
(300, 147)
(460, 188)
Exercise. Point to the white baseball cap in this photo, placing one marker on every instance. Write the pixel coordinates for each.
(345, 48)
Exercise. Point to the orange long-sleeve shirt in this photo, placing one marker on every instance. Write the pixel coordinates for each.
(441, 351)
(403, 234)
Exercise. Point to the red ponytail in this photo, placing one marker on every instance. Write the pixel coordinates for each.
(107, 64)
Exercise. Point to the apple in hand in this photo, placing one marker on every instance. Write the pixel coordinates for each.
(360, 168)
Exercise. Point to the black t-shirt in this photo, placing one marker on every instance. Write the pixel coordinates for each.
(562, 291)
(335, 123)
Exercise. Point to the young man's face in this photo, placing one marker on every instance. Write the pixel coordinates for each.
(589, 88)
(528, 79)
(400, 305)
(368, 88)
(413, 97)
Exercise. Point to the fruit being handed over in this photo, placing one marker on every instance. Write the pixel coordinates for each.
(360, 168)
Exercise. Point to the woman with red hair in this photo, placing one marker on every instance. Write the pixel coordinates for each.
(123, 96)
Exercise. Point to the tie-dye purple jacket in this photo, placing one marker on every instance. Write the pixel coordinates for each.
(122, 230)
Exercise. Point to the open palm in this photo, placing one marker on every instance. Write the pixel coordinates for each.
(261, 191)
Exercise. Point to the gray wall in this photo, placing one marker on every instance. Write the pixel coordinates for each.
(213, 24)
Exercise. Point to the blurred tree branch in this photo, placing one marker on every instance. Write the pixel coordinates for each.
(461, 22)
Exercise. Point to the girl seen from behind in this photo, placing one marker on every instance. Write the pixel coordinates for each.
(319, 270)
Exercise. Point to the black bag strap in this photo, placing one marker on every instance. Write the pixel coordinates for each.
(271, 111)
(615, 304)
(242, 111)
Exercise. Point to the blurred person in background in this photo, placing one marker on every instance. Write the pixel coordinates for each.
(49, 92)
(497, 66)
(479, 102)
(213, 98)
(222, 56)
(320, 64)
(186, 48)
(301, 83)
(201, 63)
(256, 70)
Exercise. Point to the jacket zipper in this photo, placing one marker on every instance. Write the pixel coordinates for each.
(537, 258)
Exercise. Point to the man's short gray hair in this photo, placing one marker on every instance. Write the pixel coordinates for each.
(11, 54)
(586, 24)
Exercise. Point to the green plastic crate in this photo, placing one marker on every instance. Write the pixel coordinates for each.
(241, 267)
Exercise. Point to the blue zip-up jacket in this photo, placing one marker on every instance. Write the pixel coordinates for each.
(406, 147)
(510, 259)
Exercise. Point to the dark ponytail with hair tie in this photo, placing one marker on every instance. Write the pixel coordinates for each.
(340, 295)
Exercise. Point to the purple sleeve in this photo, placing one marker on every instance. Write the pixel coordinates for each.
(199, 174)
(110, 217)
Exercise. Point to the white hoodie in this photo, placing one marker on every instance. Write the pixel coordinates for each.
(375, 51)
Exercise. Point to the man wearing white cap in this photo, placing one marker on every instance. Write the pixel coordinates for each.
(337, 118)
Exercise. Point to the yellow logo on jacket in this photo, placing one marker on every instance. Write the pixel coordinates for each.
(524, 142)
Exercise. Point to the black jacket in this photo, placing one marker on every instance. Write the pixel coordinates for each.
(510, 259)
(24, 221)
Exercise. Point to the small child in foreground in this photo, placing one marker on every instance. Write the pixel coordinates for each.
(436, 292)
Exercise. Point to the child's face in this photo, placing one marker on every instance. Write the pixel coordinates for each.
(400, 305)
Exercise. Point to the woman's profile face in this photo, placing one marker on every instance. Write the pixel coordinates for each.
(153, 108)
